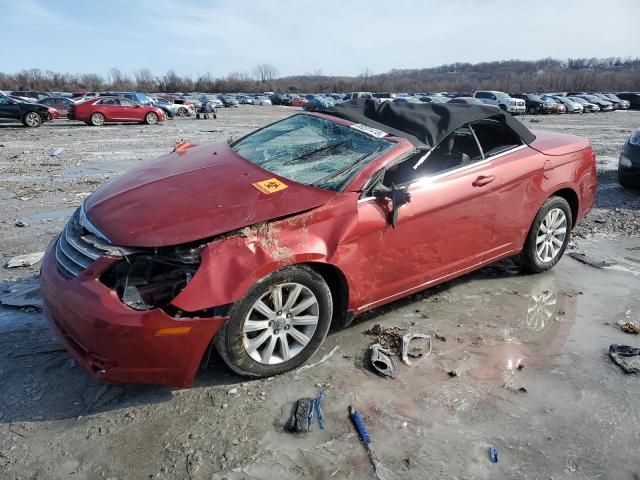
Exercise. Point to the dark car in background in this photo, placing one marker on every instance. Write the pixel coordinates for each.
(629, 163)
(61, 104)
(33, 94)
(632, 97)
(533, 103)
(622, 104)
(279, 99)
(30, 114)
(228, 101)
(605, 105)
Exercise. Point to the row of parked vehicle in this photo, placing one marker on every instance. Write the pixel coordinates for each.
(33, 108)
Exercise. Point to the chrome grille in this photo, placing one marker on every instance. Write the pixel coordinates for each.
(73, 253)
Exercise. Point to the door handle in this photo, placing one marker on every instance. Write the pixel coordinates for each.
(483, 180)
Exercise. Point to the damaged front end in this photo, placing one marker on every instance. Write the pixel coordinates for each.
(152, 278)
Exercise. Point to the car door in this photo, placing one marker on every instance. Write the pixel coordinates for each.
(129, 110)
(9, 108)
(445, 229)
(519, 169)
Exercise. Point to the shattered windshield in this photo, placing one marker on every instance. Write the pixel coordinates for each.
(310, 150)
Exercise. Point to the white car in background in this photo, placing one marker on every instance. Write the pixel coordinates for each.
(502, 100)
(262, 101)
(213, 100)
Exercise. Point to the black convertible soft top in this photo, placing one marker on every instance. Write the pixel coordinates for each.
(424, 125)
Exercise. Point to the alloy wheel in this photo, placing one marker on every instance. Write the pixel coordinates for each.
(280, 323)
(97, 119)
(152, 118)
(551, 235)
(32, 119)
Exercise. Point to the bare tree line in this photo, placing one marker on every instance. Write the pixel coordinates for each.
(599, 74)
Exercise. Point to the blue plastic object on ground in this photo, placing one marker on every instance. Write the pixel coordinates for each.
(360, 427)
(493, 455)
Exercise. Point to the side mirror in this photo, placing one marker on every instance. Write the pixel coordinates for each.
(397, 195)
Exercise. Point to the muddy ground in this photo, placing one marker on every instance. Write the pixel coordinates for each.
(567, 412)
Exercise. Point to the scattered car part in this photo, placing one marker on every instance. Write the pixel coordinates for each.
(630, 327)
(299, 420)
(405, 345)
(23, 294)
(626, 357)
(493, 455)
(365, 439)
(582, 258)
(25, 260)
(381, 362)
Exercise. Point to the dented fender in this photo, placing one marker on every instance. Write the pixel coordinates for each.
(231, 265)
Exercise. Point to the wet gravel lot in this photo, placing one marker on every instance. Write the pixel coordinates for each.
(568, 412)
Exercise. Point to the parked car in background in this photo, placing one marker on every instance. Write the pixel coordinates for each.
(279, 99)
(629, 163)
(34, 95)
(466, 100)
(245, 99)
(434, 99)
(319, 103)
(384, 96)
(228, 101)
(101, 110)
(586, 106)
(212, 99)
(533, 103)
(617, 102)
(298, 102)
(356, 95)
(406, 100)
(557, 107)
(605, 105)
(632, 97)
(186, 107)
(502, 100)
(261, 101)
(61, 104)
(29, 114)
(571, 105)
(169, 109)
(138, 288)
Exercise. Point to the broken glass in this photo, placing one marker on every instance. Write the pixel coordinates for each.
(312, 151)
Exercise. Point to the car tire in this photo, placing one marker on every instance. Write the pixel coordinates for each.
(97, 119)
(182, 112)
(32, 120)
(548, 236)
(151, 118)
(257, 349)
(532, 110)
(503, 107)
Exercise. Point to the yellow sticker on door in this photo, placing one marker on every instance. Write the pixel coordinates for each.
(270, 186)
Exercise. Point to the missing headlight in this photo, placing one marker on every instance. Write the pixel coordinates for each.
(151, 280)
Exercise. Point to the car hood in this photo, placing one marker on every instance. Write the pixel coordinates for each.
(193, 194)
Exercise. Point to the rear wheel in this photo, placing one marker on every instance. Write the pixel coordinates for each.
(532, 110)
(182, 112)
(548, 237)
(151, 118)
(278, 325)
(97, 119)
(32, 120)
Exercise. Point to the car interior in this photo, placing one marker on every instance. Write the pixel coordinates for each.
(458, 150)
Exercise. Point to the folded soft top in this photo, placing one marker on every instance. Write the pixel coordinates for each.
(424, 125)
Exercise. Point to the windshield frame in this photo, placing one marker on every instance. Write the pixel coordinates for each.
(357, 169)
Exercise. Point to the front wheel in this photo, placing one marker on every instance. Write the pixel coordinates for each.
(182, 112)
(278, 325)
(32, 119)
(548, 237)
(151, 118)
(97, 119)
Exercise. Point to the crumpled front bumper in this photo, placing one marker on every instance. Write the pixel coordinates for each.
(115, 343)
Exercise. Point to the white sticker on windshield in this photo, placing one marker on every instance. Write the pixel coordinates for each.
(374, 132)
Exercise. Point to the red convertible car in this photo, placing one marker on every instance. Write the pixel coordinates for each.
(98, 111)
(256, 247)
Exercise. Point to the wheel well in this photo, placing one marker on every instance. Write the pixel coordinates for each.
(572, 199)
(339, 287)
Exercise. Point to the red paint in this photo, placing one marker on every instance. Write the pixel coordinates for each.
(112, 113)
(455, 223)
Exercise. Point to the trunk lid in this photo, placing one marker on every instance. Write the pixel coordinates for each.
(556, 144)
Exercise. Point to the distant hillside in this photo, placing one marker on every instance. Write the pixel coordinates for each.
(602, 74)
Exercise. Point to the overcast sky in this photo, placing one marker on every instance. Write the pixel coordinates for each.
(340, 37)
